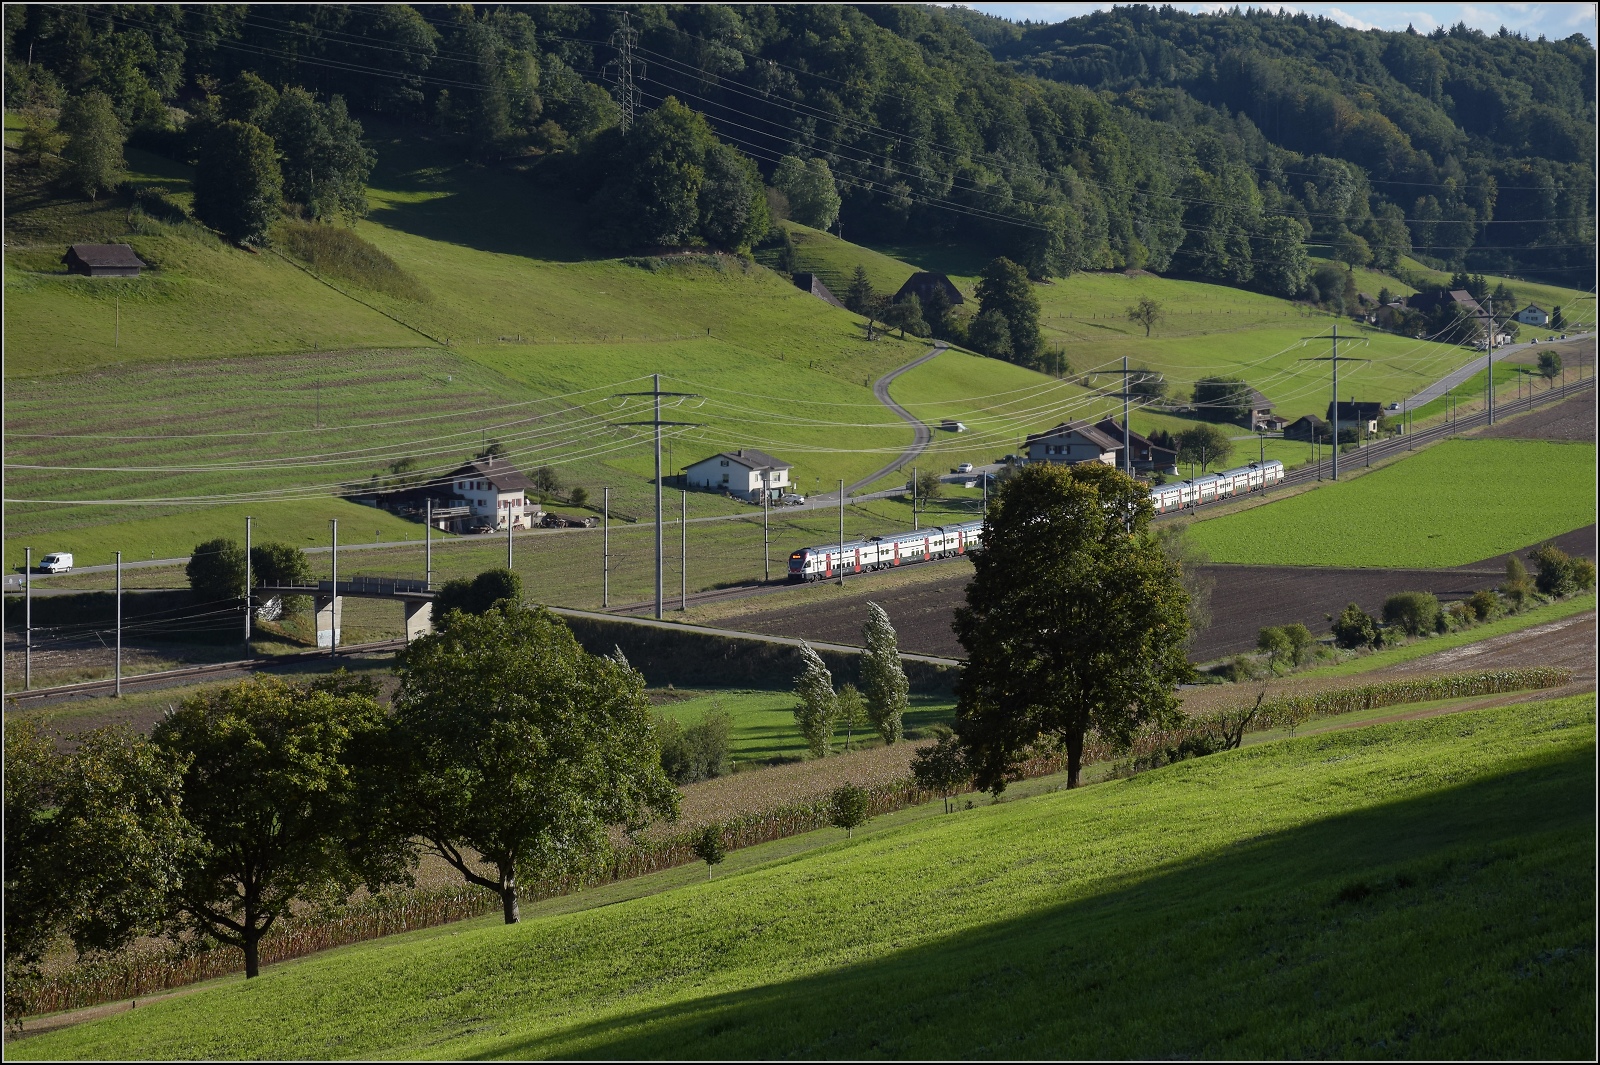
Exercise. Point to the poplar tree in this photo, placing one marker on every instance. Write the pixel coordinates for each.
(883, 678)
(818, 706)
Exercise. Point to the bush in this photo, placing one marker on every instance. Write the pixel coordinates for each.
(1485, 605)
(1300, 641)
(1462, 616)
(478, 595)
(1516, 587)
(216, 571)
(698, 751)
(1274, 643)
(1354, 628)
(1414, 612)
(1560, 573)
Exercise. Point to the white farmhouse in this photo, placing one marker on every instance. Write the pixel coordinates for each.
(495, 492)
(1533, 314)
(743, 473)
(1071, 443)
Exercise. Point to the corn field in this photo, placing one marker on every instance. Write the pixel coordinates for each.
(750, 808)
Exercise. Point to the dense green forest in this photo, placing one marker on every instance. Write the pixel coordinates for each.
(1218, 147)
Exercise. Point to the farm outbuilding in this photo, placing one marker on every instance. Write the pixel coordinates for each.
(1308, 430)
(103, 260)
(807, 282)
(921, 285)
(1147, 457)
(743, 473)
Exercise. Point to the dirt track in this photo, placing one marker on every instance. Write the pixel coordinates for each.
(1246, 599)
(1573, 419)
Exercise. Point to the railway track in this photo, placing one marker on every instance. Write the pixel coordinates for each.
(1316, 472)
(167, 677)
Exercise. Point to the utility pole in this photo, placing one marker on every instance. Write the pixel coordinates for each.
(1262, 437)
(248, 587)
(1127, 450)
(1335, 358)
(27, 618)
(1490, 360)
(605, 553)
(508, 537)
(117, 340)
(841, 531)
(623, 39)
(656, 423)
(119, 625)
(335, 615)
(427, 548)
(766, 539)
(916, 521)
(683, 556)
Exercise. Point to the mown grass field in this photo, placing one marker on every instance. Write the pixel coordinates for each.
(1454, 503)
(764, 727)
(1420, 889)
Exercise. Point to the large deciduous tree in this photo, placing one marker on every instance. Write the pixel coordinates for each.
(1074, 621)
(282, 785)
(668, 182)
(519, 752)
(883, 678)
(809, 186)
(238, 185)
(93, 152)
(325, 165)
(216, 571)
(96, 843)
(1204, 445)
(1006, 289)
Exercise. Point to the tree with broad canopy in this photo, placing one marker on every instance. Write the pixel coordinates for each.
(1075, 620)
(517, 751)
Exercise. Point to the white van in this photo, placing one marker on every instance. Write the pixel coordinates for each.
(56, 562)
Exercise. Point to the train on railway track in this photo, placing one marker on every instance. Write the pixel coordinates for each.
(947, 541)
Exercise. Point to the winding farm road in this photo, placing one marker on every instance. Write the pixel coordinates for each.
(880, 388)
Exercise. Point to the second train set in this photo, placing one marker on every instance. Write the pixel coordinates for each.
(884, 552)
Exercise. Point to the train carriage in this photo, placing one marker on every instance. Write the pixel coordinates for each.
(884, 552)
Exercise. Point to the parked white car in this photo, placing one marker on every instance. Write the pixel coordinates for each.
(791, 500)
(965, 467)
(56, 562)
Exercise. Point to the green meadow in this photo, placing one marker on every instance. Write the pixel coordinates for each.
(1420, 889)
(1454, 503)
(763, 725)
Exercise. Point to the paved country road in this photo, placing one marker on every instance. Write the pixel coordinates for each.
(923, 434)
(1455, 378)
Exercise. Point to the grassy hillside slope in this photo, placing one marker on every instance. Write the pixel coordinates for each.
(1454, 503)
(1422, 888)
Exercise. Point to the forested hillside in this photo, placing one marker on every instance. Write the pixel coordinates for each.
(1485, 143)
(1215, 147)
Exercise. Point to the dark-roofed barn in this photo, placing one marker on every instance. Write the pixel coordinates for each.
(103, 260)
(813, 284)
(922, 284)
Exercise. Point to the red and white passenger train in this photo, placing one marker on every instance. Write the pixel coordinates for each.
(884, 552)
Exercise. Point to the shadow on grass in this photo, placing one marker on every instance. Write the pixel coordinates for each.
(1456, 924)
(486, 208)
